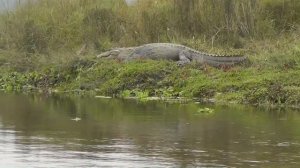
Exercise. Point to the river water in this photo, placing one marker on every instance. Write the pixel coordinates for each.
(38, 131)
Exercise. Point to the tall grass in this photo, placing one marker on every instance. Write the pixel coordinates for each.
(40, 27)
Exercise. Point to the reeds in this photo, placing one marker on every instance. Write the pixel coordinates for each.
(45, 25)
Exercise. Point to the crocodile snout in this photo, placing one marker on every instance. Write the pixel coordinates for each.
(112, 53)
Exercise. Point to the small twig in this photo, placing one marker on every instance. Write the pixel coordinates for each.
(214, 36)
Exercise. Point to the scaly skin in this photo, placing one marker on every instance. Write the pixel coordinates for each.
(174, 52)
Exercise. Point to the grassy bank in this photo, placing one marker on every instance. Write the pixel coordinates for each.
(253, 85)
(51, 46)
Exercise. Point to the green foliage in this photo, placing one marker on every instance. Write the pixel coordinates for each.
(199, 85)
(138, 75)
(38, 42)
(143, 79)
(141, 95)
(12, 82)
(205, 110)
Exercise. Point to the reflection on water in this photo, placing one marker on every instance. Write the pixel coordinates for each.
(37, 131)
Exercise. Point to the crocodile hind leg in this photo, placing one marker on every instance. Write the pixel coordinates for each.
(183, 58)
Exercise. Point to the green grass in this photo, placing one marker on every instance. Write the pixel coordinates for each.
(144, 79)
(39, 44)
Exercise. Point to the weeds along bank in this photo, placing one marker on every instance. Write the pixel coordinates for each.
(39, 44)
(162, 79)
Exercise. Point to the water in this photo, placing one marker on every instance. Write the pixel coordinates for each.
(37, 131)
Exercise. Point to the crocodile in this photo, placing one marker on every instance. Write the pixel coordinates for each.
(174, 52)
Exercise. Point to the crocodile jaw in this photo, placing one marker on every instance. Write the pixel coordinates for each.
(112, 53)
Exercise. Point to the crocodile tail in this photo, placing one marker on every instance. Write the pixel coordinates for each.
(219, 60)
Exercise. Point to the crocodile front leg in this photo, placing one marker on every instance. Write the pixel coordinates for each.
(183, 58)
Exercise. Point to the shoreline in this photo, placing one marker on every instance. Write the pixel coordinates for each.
(258, 84)
(179, 100)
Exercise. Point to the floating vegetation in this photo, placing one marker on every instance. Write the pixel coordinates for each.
(205, 110)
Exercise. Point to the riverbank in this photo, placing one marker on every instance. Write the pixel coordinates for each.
(271, 78)
(257, 84)
(50, 46)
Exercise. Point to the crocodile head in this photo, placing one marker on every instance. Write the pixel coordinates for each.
(118, 53)
(110, 54)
